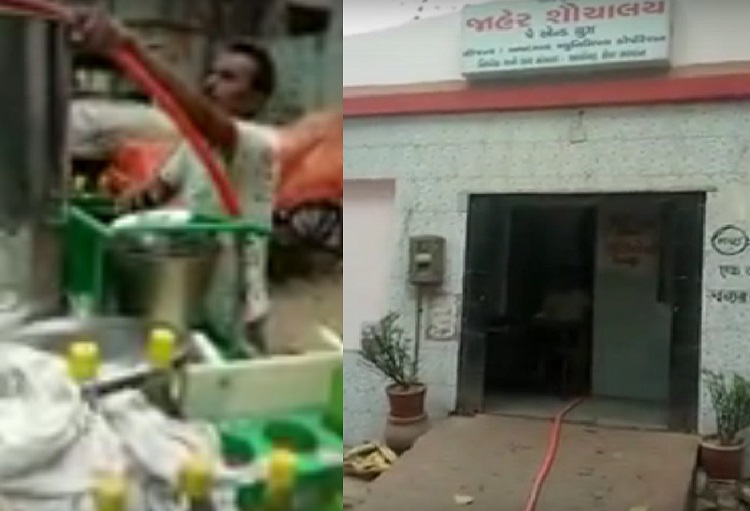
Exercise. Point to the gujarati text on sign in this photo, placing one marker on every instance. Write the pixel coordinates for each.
(538, 35)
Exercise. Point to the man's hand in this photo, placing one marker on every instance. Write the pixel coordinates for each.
(155, 193)
(97, 32)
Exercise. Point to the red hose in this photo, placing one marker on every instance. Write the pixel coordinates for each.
(134, 68)
(550, 456)
(129, 62)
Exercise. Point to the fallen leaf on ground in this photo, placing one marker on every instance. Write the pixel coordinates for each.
(368, 461)
(463, 500)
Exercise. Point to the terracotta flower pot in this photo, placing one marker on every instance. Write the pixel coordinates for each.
(401, 435)
(407, 420)
(407, 402)
(722, 462)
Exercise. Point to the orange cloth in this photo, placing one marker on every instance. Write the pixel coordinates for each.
(137, 161)
(310, 154)
(311, 160)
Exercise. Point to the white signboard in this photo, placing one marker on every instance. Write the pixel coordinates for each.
(499, 38)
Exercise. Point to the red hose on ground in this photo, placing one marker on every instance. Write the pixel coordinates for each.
(130, 64)
(550, 456)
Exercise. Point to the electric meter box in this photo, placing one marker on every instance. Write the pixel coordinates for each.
(426, 260)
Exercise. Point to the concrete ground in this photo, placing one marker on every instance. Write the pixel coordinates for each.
(355, 493)
(493, 460)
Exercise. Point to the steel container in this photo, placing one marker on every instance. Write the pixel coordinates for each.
(33, 122)
(164, 278)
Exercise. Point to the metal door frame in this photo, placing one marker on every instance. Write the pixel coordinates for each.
(683, 409)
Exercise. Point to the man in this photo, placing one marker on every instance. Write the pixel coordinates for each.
(240, 82)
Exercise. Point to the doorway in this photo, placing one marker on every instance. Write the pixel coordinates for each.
(584, 295)
(538, 331)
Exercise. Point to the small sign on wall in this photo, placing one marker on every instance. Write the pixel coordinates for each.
(544, 35)
(630, 242)
(443, 317)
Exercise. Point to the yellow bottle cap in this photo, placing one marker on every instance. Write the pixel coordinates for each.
(83, 361)
(162, 344)
(282, 472)
(110, 493)
(196, 479)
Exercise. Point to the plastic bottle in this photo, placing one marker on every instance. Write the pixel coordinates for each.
(281, 480)
(110, 493)
(162, 345)
(196, 482)
(160, 352)
(84, 362)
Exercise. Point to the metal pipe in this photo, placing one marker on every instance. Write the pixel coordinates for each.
(418, 331)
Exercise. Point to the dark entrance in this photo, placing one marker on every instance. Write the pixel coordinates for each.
(585, 295)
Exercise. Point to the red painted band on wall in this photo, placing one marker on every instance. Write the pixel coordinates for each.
(628, 92)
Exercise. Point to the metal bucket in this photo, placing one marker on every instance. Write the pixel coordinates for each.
(164, 278)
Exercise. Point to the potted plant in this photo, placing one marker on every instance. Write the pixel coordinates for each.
(722, 454)
(386, 349)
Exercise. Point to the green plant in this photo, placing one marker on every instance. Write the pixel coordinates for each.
(730, 398)
(385, 349)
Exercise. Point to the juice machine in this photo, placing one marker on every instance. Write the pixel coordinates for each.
(54, 246)
(33, 99)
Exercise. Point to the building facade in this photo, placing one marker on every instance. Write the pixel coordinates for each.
(659, 159)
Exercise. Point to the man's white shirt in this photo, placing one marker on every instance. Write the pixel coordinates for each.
(99, 126)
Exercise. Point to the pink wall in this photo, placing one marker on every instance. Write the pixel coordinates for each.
(369, 230)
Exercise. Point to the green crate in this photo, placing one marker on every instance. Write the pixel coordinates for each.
(87, 237)
(335, 416)
(308, 435)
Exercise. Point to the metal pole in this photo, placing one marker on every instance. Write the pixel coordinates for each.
(418, 331)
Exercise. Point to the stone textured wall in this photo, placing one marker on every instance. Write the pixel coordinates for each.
(298, 61)
(438, 160)
(333, 87)
(310, 70)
